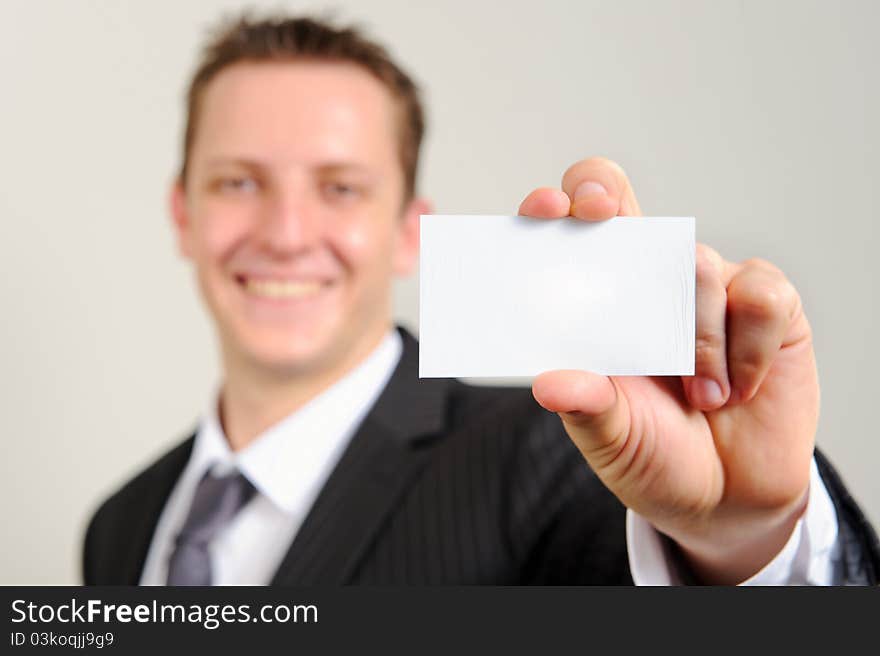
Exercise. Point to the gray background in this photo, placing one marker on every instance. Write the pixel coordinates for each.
(759, 118)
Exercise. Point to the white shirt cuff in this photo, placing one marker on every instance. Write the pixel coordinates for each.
(806, 559)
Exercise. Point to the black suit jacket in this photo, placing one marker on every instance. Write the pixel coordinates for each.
(443, 483)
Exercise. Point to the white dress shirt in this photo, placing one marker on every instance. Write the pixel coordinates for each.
(290, 462)
(808, 558)
(288, 465)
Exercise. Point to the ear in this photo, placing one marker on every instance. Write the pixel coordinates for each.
(407, 252)
(180, 218)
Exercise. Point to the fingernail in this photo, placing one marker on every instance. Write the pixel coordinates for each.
(589, 188)
(708, 392)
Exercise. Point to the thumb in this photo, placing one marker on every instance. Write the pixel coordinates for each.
(593, 410)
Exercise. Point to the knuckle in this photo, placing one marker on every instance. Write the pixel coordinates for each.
(593, 165)
(760, 264)
(709, 346)
(746, 369)
(791, 298)
(709, 353)
(707, 263)
(706, 251)
(573, 170)
(758, 302)
(611, 165)
(709, 267)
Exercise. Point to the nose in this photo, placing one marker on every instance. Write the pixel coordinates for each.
(290, 223)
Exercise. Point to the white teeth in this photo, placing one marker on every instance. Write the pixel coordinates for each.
(282, 288)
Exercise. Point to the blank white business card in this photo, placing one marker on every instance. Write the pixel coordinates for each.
(515, 296)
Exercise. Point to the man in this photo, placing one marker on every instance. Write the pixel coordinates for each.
(325, 460)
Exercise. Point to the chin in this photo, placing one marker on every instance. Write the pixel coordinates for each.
(292, 353)
(312, 337)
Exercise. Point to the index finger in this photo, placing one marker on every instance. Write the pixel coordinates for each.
(599, 190)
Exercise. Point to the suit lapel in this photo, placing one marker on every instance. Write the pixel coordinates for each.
(139, 524)
(383, 458)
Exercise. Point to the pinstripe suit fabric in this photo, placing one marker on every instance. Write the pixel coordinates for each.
(443, 483)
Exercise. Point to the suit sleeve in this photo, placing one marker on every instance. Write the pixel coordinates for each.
(858, 546)
(93, 544)
(565, 527)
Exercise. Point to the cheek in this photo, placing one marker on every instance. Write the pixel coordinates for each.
(219, 235)
(364, 246)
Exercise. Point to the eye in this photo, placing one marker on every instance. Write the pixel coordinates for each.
(341, 191)
(236, 184)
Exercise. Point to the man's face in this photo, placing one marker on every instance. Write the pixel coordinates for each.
(293, 213)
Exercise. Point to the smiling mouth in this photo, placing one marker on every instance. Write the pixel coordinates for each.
(282, 289)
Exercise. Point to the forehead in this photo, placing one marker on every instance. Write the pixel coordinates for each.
(303, 111)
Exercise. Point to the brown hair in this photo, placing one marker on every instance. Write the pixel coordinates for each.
(282, 39)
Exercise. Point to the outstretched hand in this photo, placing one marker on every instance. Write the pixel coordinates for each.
(719, 461)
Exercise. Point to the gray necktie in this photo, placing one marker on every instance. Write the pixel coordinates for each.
(215, 503)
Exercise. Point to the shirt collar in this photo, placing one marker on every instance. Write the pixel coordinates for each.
(290, 462)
